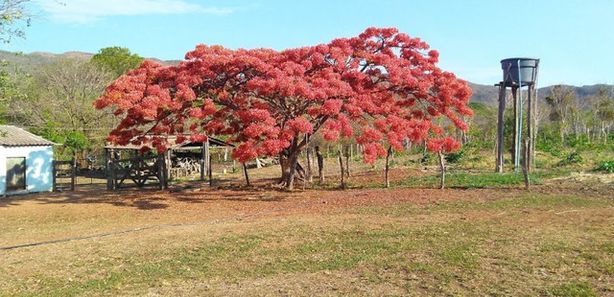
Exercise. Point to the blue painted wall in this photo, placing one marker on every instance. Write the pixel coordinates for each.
(39, 167)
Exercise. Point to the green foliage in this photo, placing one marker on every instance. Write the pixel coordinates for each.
(455, 157)
(549, 141)
(117, 59)
(572, 158)
(478, 180)
(426, 158)
(77, 141)
(606, 166)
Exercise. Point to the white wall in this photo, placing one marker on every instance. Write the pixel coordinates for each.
(39, 167)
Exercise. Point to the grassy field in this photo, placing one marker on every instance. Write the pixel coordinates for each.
(557, 240)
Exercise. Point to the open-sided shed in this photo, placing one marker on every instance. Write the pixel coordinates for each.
(160, 169)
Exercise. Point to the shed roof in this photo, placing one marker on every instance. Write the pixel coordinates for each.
(14, 136)
(173, 145)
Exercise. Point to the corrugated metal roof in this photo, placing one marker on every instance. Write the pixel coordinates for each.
(14, 136)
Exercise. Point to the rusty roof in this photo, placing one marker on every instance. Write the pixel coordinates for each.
(14, 136)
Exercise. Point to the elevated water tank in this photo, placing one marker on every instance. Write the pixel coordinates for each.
(517, 69)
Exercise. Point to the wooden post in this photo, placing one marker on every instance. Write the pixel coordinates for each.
(55, 173)
(388, 166)
(517, 126)
(210, 171)
(246, 175)
(107, 164)
(207, 154)
(161, 170)
(442, 168)
(343, 186)
(203, 156)
(500, 128)
(167, 168)
(320, 164)
(73, 174)
(113, 174)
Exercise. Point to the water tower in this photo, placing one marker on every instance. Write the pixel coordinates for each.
(518, 73)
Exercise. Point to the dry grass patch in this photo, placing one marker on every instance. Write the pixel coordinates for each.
(397, 242)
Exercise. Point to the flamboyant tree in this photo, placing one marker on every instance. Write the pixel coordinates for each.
(382, 81)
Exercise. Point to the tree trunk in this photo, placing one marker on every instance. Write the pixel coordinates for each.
(292, 160)
(246, 175)
(320, 159)
(343, 186)
(347, 161)
(442, 168)
(388, 166)
(309, 171)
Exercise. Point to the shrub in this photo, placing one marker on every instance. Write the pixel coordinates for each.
(455, 157)
(573, 158)
(606, 166)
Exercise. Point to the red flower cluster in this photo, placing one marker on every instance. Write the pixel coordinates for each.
(444, 145)
(382, 82)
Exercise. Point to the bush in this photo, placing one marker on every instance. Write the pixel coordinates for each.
(455, 157)
(573, 158)
(549, 141)
(606, 166)
(426, 157)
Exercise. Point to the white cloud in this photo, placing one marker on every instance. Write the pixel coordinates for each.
(84, 11)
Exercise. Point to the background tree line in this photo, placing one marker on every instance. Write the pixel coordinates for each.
(55, 100)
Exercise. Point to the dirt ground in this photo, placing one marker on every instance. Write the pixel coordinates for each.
(74, 236)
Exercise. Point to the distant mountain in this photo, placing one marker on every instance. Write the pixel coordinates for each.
(31, 61)
(487, 94)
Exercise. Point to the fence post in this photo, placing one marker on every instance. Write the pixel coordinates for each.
(210, 170)
(73, 175)
(54, 164)
(161, 160)
(108, 158)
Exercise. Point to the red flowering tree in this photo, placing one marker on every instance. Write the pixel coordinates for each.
(266, 101)
(442, 146)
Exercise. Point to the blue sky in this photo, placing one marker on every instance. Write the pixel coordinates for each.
(573, 38)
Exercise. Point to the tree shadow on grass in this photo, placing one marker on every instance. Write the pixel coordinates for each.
(148, 198)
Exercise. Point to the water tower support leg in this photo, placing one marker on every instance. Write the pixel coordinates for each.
(500, 128)
(534, 114)
(517, 126)
(529, 147)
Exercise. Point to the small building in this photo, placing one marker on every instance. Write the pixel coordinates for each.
(26, 162)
